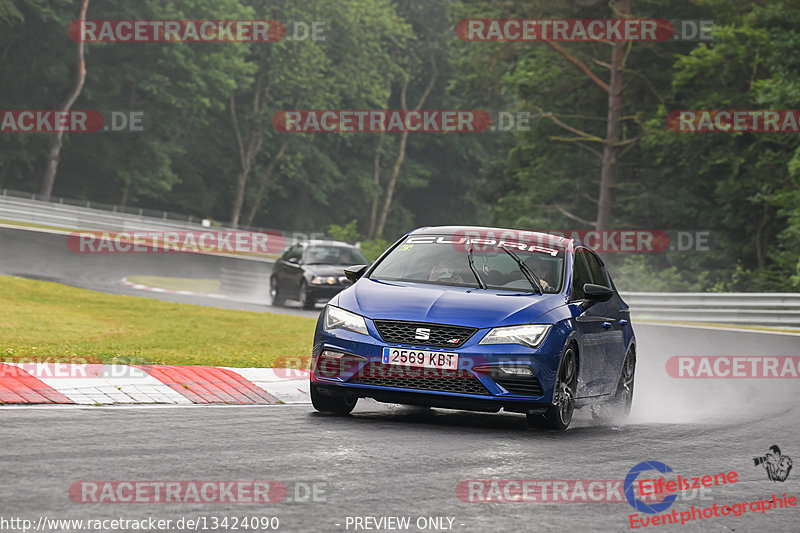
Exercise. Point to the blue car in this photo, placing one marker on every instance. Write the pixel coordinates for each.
(479, 319)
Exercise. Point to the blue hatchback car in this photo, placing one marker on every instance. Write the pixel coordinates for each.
(480, 319)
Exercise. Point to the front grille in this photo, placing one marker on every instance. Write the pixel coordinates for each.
(460, 381)
(527, 385)
(409, 333)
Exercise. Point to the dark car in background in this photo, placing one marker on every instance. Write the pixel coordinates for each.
(312, 271)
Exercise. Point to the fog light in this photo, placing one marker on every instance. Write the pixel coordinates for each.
(332, 364)
(517, 370)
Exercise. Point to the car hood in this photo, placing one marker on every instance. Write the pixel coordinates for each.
(422, 302)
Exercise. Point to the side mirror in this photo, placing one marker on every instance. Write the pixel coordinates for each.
(597, 293)
(353, 273)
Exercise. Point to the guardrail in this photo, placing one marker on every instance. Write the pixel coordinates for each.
(757, 309)
(88, 216)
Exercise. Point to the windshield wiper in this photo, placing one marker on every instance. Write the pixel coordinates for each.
(529, 274)
(472, 267)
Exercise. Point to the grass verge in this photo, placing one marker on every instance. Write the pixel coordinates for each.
(45, 321)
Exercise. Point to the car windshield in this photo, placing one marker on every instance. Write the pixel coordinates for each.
(445, 260)
(333, 255)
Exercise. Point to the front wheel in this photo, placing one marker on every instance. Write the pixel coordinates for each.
(337, 405)
(306, 301)
(275, 292)
(559, 413)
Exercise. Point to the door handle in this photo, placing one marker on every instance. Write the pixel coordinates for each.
(606, 325)
(623, 322)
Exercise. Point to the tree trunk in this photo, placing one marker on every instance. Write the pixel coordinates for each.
(401, 154)
(376, 179)
(606, 199)
(124, 200)
(49, 177)
(246, 154)
(265, 177)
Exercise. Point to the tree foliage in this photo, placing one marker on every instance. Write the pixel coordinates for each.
(209, 148)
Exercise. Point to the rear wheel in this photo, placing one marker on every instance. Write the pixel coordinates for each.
(559, 413)
(275, 292)
(306, 301)
(338, 405)
(618, 409)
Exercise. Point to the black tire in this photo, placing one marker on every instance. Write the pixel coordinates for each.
(275, 293)
(337, 405)
(306, 301)
(618, 409)
(559, 413)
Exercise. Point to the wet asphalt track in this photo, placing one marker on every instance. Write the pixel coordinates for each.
(394, 461)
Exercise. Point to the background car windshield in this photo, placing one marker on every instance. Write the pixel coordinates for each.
(445, 263)
(333, 255)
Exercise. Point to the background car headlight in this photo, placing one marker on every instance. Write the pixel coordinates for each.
(338, 318)
(322, 280)
(529, 335)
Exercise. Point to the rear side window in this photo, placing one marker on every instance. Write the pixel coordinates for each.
(599, 276)
(580, 274)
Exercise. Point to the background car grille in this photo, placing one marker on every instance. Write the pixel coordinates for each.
(527, 385)
(440, 335)
(460, 381)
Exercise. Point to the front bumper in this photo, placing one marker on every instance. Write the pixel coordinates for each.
(324, 292)
(484, 389)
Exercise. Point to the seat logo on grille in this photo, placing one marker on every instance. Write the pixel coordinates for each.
(422, 334)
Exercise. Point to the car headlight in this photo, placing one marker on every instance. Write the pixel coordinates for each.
(529, 335)
(338, 318)
(322, 280)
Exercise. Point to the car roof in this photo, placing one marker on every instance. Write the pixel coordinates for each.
(317, 242)
(485, 230)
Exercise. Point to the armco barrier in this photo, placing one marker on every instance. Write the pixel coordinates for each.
(758, 309)
(64, 213)
(82, 216)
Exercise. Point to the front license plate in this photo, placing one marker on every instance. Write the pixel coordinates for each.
(420, 358)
